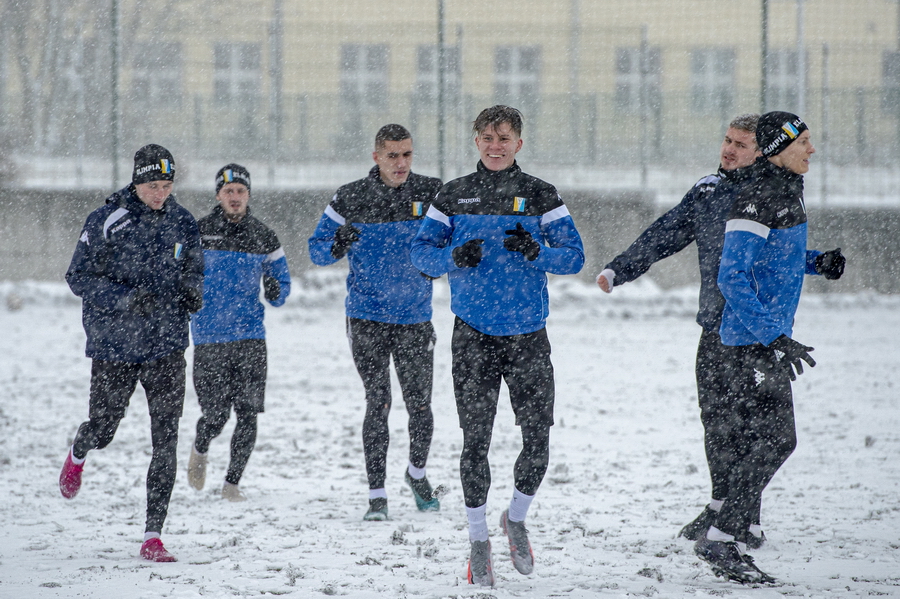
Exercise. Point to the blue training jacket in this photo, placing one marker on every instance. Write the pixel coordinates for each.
(124, 246)
(382, 285)
(238, 257)
(506, 294)
(764, 258)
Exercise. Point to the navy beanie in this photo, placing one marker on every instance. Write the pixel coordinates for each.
(232, 173)
(153, 163)
(777, 130)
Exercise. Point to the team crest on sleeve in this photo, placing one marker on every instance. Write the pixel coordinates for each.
(519, 204)
(177, 250)
(417, 208)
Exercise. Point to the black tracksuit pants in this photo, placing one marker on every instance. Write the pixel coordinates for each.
(749, 430)
(112, 385)
(373, 344)
(480, 362)
(230, 375)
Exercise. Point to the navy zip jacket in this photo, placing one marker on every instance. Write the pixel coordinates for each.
(124, 246)
(506, 294)
(237, 256)
(382, 284)
(764, 258)
(700, 217)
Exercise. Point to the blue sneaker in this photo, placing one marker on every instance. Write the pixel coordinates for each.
(378, 510)
(424, 495)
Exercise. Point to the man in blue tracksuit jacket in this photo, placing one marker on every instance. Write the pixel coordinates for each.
(700, 217)
(230, 362)
(138, 268)
(497, 233)
(764, 260)
(372, 222)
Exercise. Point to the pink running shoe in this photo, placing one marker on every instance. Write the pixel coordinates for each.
(70, 477)
(153, 550)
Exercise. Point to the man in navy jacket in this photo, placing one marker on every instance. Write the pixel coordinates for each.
(139, 271)
(497, 233)
(372, 221)
(230, 359)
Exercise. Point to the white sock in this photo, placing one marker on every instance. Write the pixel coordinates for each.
(416, 473)
(756, 530)
(518, 505)
(76, 461)
(478, 528)
(714, 534)
(376, 493)
(150, 535)
(716, 504)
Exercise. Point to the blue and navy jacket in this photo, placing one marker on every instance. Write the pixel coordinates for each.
(700, 217)
(506, 294)
(764, 258)
(124, 246)
(382, 285)
(237, 256)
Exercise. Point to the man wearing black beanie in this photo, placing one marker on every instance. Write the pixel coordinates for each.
(138, 269)
(764, 261)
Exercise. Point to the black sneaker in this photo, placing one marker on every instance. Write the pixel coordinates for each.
(377, 510)
(755, 542)
(481, 570)
(699, 527)
(519, 545)
(728, 562)
(426, 501)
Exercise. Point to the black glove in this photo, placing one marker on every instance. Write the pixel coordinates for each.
(468, 255)
(344, 237)
(190, 299)
(271, 288)
(793, 353)
(142, 302)
(520, 240)
(830, 264)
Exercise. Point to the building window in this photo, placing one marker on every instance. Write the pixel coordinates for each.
(890, 82)
(783, 80)
(156, 75)
(518, 77)
(364, 75)
(628, 78)
(712, 80)
(238, 73)
(427, 75)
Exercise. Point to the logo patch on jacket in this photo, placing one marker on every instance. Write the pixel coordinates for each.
(468, 201)
(519, 204)
(750, 209)
(177, 251)
(119, 227)
(417, 208)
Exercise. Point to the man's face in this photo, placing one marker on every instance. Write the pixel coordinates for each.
(154, 193)
(394, 160)
(795, 157)
(498, 146)
(738, 149)
(233, 198)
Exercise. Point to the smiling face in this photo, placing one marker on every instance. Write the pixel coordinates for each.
(394, 160)
(233, 197)
(795, 157)
(738, 149)
(154, 193)
(498, 146)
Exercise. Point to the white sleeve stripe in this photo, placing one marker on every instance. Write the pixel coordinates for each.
(333, 215)
(749, 226)
(555, 214)
(435, 214)
(273, 256)
(112, 218)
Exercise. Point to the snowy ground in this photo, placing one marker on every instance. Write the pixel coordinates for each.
(627, 467)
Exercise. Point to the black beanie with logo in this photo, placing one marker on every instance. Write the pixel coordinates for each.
(777, 130)
(153, 163)
(232, 173)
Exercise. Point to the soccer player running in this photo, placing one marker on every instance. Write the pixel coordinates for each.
(764, 260)
(138, 269)
(700, 218)
(372, 222)
(498, 232)
(230, 360)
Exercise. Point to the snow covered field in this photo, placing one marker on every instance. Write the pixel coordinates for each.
(627, 467)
